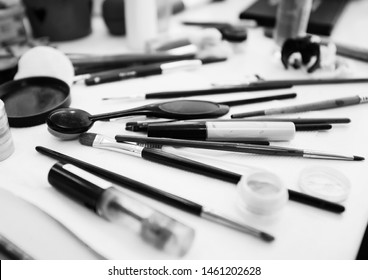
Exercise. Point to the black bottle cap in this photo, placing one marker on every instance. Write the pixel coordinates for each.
(190, 131)
(75, 186)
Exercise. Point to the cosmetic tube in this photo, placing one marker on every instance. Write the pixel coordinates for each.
(154, 227)
(224, 131)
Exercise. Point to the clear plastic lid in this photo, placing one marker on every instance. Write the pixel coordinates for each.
(325, 182)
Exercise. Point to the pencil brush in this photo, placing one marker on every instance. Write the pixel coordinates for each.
(238, 147)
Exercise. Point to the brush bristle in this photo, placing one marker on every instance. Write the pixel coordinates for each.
(267, 237)
(87, 139)
(358, 158)
(150, 145)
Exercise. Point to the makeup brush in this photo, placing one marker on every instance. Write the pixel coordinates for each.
(238, 147)
(156, 155)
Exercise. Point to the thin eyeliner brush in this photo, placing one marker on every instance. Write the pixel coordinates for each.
(160, 195)
(169, 159)
(312, 127)
(236, 147)
(299, 120)
(209, 91)
(258, 99)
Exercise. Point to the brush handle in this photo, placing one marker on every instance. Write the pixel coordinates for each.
(169, 159)
(142, 110)
(212, 145)
(259, 99)
(123, 74)
(312, 127)
(160, 195)
(315, 201)
(216, 90)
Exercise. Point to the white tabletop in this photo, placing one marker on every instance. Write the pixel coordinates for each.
(301, 232)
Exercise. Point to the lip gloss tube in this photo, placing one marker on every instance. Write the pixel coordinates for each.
(154, 227)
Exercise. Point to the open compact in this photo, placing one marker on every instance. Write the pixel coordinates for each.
(29, 101)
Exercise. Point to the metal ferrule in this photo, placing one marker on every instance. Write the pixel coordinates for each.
(319, 155)
(181, 65)
(106, 142)
(212, 216)
(363, 98)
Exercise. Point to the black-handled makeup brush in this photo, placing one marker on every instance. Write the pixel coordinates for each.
(206, 91)
(237, 147)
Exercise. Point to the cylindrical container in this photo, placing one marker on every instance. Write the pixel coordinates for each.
(59, 20)
(262, 193)
(6, 141)
(291, 19)
(141, 22)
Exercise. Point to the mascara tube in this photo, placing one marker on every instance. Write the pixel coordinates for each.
(154, 227)
(224, 131)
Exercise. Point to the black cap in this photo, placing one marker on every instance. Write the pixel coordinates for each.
(75, 186)
(190, 131)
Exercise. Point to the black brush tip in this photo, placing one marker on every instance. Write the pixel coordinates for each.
(267, 237)
(87, 138)
(358, 158)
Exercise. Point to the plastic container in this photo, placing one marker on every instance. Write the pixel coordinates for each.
(262, 193)
(141, 22)
(325, 182)
(291, 19)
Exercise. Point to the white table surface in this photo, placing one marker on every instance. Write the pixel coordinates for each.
(301, 232)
